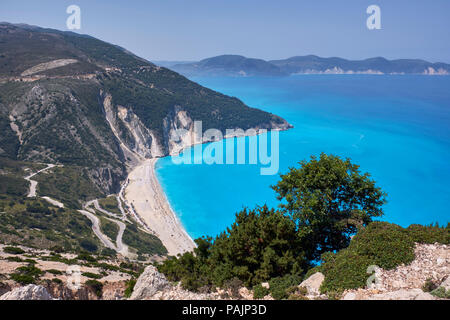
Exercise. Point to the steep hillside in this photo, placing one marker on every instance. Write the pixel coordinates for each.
(76, 100)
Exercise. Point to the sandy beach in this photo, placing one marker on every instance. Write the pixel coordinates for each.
(149, 201)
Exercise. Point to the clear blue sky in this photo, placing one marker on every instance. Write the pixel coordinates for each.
(196, 29)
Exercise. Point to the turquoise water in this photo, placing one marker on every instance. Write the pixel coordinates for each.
(395, 127)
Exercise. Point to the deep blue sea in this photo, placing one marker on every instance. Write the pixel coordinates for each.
(397, 128)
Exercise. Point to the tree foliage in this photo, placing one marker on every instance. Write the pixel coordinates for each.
(329, 199)
(260, 245)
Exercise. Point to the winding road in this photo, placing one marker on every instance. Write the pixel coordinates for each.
(33, 183)
(119, 247)
(96, 229)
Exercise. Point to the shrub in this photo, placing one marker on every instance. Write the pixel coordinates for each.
(382, 244)
(261, 244)
(55, 272)
(22, 278)
(344, 270)
(130, 287)
(260, 292)
(95, 286)
(385, 244)
(57, 281)
(429, 234)
(14, 259)
(279, 286)
(86, 257)
(429, 285)
(92, 275)
(88, 245)
(27, 274)
(234, 285)
(13, 250)
(441, 293)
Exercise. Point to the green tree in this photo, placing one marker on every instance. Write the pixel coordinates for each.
(329, 199)
(261, 244)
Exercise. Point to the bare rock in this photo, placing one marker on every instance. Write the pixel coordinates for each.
(29, 292)
(446, 284)
(403, 294)
(313, 283)
(149, 283)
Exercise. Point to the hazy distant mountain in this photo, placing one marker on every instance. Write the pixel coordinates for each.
(315, 64)
(233, 65)
(229, 65)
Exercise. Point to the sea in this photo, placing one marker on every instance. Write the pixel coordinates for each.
(396, 127)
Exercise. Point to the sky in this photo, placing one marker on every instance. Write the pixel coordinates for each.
(188, 30)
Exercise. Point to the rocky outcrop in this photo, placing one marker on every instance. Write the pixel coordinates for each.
(149, 283)
(402, 294)
(432, 263)
(30, 292)
(312, 284)
(153, 285)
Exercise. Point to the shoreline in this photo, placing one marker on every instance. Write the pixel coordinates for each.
(150, 203)
(146, 195)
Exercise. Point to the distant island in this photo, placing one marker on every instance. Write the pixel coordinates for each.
(240, 66)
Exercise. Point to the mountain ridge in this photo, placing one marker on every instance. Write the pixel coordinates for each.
(309, 64)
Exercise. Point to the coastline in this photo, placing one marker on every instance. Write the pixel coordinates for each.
(144, 192)
(149, 201)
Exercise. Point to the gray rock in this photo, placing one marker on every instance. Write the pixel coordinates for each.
(403, 294)
(313, 283)
(29, 292)
(446, 284)
(148, 284)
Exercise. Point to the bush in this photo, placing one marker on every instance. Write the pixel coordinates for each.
(86, 257)
(344, 270)
(22, 278)
(382, 244)
(234, 285)
(88, 245)
(92, 275)
(429, 285)
(27, 274)
(429, 234)
(259, 245)
(95, 286)
(13, 250)
(130, 287)
(279, 286)
(441, 293)
(55, 272)
(260, 292)
(385, 244)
